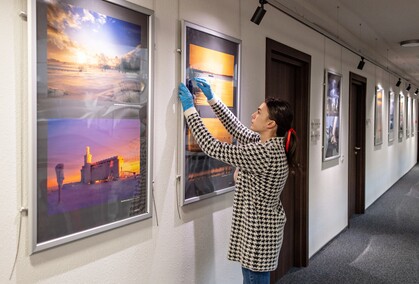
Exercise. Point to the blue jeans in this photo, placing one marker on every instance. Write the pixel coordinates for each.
(254, 277)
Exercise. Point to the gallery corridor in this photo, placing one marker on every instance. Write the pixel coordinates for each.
(380, 246)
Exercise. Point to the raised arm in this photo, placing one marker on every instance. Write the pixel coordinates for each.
(243, 134)
(252, 157)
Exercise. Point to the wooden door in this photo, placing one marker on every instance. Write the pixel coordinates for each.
(416, 124)
(356, 144)
(287, 77)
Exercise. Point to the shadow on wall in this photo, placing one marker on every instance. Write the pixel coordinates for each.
(83, 252)
(204, 250)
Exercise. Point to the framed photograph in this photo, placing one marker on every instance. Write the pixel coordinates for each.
(378, 117)
(90, 107)
(401, 116)
(412, 117)
(407, 116)
(331, 123)
(391, 112)
(216, 57)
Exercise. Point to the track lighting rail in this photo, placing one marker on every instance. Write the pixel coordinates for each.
(325, 33)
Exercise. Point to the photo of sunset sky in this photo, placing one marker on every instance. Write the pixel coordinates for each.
(77, 35)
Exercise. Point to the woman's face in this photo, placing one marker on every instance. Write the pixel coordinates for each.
(260, 119)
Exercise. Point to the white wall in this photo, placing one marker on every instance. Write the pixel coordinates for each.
(387, 162)
(191, 249)
(10, 142)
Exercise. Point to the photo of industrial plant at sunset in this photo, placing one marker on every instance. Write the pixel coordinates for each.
(93, 173)
(92, 162)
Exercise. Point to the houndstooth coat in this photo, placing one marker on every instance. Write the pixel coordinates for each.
(258, 216)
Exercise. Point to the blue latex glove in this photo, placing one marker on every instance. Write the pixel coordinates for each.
(205, 87)
(185, 97)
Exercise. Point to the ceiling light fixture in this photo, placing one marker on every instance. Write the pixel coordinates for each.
(410, 43)
(398, 83)
(408, 88)
(361, 63)
(259, 13)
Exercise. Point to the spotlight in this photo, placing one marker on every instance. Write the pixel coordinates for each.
(398, 83)
(408, 88)
(259, 13)
(361, 63)
(410, 43)
(417, 91)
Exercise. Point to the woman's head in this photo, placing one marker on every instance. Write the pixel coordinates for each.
(280, 111)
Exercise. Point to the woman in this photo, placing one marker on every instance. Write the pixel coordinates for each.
(262, 158)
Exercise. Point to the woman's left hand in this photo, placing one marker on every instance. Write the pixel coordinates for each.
(205, 87)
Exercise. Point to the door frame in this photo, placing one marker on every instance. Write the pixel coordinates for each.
(355, 79)
(415, 122)
(302, 107)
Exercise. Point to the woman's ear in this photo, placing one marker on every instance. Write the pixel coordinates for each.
(271, 124)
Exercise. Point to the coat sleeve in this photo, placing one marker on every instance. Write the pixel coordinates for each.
(243, 134)
(251, 157)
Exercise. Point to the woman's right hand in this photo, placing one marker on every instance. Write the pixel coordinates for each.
(185, 97)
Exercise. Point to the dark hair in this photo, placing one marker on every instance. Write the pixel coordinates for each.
(280, 111)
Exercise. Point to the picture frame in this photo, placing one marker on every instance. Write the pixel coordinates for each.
(216, 57)
(378, 116)
(401, 116)
(412, 117)
(391, 116)
(91, 92)
(407, 104)
(332, 115)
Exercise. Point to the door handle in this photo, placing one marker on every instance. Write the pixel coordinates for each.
(357, 148)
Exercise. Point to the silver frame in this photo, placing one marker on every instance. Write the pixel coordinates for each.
(326, 92)
(412, 117)
(400, 132)
(32, 145)
(408, 116)
(376, 139)
(391, 103)
(182, 124)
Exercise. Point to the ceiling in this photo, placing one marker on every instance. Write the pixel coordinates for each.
(374, 28)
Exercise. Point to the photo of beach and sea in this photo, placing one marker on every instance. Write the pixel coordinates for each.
(93, 62)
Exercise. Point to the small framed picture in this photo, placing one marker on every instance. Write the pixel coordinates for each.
(331, 118)
(391, 113)
(378, 117)
(401, 116)
(408, 116)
